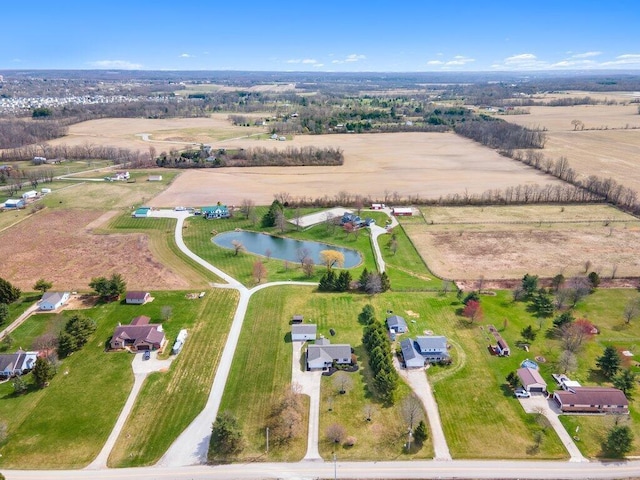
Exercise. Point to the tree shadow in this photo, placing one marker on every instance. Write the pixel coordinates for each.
(596, 376)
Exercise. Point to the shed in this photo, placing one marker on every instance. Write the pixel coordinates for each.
(402, 211)
(14, 203)
(301, 332)
(141, 212)
(29, 194)
(531, 380)
(397, 324)
(297, 319)
(412, 358)
(52, 300)
(154, 178)
(137, 298)
(45, 191)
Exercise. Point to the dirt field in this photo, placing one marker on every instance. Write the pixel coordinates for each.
(506, 251)
(58, 246)
(607, 153)
(428, 164)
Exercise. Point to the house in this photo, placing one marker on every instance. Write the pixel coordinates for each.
(592, 400)
(378, 206)
(137, 298)
(402, 211)
(353, 219)
(19, 363)
(297, 319)
(218, 211)
(140, 335)
(14, 203)
(433, 347)
(303, 332)
(52, 300)
(322, 354)
(501, 347)
(29, 194)
(154, 178)
(44, 191)
(397, 324)
(141, 212)
(179, 343)
(531, 380)
(121, 176)
(412, 358)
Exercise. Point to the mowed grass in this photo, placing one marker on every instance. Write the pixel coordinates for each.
(161, 233)
(199, 233)
(261, 371)
(169, 401)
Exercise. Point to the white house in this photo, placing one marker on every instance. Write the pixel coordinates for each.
(397, 324)
(432, 348)
(18, 363)
(29, 194)
(300, 332)
(322, 354)
(14, 203)
(531, 380)
(53, 300)
(412, 358)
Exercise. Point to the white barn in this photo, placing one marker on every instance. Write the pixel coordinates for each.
(53, 300)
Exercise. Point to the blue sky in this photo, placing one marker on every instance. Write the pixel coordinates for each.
(324, 35)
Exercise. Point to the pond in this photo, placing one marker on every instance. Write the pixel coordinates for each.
(284, 248)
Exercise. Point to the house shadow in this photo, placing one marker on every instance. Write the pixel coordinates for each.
(287, 338)
(596, 376)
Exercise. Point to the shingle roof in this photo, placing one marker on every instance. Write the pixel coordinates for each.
(304, 329)
(139, 333)
(530, 376)
(136, 295)
(592, 396)
(396, 321)
(329, 352)
(52, 297)
(408, 350)
(428, 342)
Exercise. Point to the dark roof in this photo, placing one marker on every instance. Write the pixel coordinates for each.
(530, 376)
(408, 350)
(140, 333)
(136, 295)
(140, 320)
(592, 396)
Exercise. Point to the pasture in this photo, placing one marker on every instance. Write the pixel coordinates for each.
(472, 242)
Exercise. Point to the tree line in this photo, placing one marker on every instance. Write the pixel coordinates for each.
(496, 133)
(16, 133)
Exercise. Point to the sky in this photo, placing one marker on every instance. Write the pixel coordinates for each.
(323, 35)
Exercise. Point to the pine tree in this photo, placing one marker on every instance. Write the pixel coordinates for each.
(327, 282)
(8, 293)
(385, 282)
(364, 278)
(43, 372)
(344, 281)
(420, 434)
(609, 362)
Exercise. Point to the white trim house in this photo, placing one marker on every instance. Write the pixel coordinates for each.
(52, 300)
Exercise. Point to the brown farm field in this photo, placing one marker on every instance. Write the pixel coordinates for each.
(59, 246)
(608, 145)
(426, 164)
(468, 243)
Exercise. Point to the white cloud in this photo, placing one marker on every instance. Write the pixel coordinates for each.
(186, 55)
(435, 62)
(350, 58)
(318, 64)
(586, 54)
(117, 64)
(456, 61)
(628, 59)
(522, 61)
(309, 61)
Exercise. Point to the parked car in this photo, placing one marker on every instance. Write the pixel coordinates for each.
(522, 393)
(146, 355)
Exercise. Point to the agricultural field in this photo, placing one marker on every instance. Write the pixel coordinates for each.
(428, 165)
(179, 395)
(468, 243)
(607, 146)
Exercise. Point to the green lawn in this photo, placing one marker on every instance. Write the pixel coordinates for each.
(169, 401)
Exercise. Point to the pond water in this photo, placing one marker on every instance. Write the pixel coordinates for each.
(284, 248)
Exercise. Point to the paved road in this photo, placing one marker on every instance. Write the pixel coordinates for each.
(417, 380)
(19, 321)
(309, 383)
(457, 469)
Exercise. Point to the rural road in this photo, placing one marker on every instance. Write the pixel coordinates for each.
(433, 469)
(20, 320)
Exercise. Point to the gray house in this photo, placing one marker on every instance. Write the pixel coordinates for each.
(19, 363)
(432, 348)
(52, 300)
(322, 354)
(412, 358)
(397, 324)
(303, 332)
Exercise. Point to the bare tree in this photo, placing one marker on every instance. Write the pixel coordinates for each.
(281, 221)
(247, 207)
(614, 270)
(237, 246)
(268, 253)
(302, 254)
(285, 419)
(577, 125)
(631, 310)
(308, 267)
(587, 266)
(336, 433)
(166, 312)
(573, 336)
(342, 382)
(283, 197)
(411, 410)
(369, 410)
(297, 218)
(567, 362)
(374, 284)
(47, 341)
(253, 217)
(259, 271)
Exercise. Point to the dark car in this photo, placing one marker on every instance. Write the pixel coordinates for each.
(147, 355)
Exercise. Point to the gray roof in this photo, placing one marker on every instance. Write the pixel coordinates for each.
(323, 341)
(396, 321)
(429, 342)
(408, 350)
(328, 352)
(304, 329)
(52, 297)
(530, 376)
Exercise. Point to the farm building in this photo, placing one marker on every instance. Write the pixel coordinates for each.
(19, 363)
(432, 348)
(44, 191)
(179, 343)
(412, 358)
(138, 336)
(397, 324)
(52, 300)
(14, 203)
(322, 354)
(141, 212)
(531, 380)
(501, 347)
(378, 206)
(218, 211)
(154, 178)
(402, 211)
(29, 194)
(303, 332)
(592, 400)
(297, 319)
(137, 298)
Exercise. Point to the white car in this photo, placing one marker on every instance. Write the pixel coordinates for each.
(521, 393)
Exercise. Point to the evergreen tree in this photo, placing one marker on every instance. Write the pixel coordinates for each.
(513, 380)
(226, 437)
(563, 319)
(609, 362)
(420, 433)
(619, 441)
(368, 315)
(594, 279)
(386, 383)
(344, 281)
(327, 281)
(542, 304)
(4, 312)
(67, 344)
(385, 282)
(269, 218)
(8, 293)
(43, 372)
(364, 278)
(529, 284)
(625, 381)
(528, 333)
(471, 296)
(80, 328)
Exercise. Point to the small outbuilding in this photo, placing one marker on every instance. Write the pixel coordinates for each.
(142, 212)
(29, 194)
(531, 380)
(52, 300)
(300, 332)
(297, 319)
(14, 203)
(154, 178)
(397, 324)
(137, 298)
